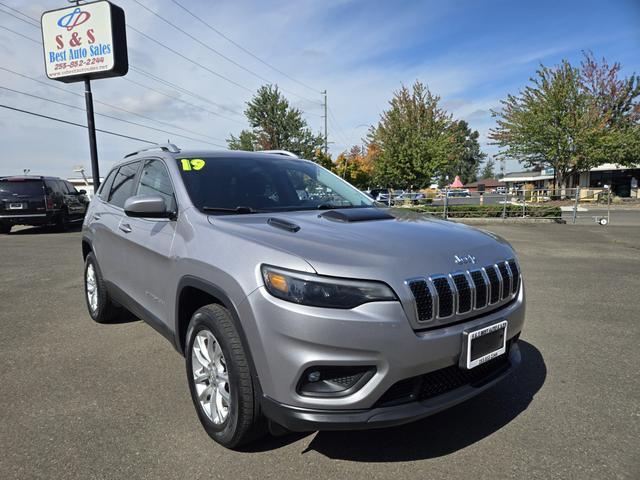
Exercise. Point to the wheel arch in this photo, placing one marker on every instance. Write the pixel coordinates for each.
(87, 247)
(193, 293)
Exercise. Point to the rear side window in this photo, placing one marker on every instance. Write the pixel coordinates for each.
(10, 187)
(123, 183)
(154, 180)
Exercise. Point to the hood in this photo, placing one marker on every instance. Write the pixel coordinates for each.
(402, 246)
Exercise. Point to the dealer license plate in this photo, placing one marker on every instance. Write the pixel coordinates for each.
(483, 344)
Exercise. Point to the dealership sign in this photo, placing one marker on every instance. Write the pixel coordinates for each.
(85, 41)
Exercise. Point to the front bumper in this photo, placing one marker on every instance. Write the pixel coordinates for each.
(306, 420)
(286, 339)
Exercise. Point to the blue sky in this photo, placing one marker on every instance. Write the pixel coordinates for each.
(471, 53)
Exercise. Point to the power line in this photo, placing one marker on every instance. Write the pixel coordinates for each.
(141, 72)
(194, 62)
(19, 18)
(210, 48)
(108, 132)
(264, 62)
(49, 85)
(193, 105)
(20, 34)
(108, 116)
(167, 83)
(33, 19)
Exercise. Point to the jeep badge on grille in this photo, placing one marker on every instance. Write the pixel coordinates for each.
(464, 259)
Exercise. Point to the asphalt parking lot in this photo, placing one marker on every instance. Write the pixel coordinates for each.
(81, 400)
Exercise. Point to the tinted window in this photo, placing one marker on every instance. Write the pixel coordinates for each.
(70, 188)
(11, 187)
(154, 180)
(122, 187)
(103, 191)
(52, 186)
(265, 184)
(62, 187)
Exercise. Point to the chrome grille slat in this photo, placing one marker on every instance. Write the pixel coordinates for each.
(505, 273)
(462, 293)
(482, 288)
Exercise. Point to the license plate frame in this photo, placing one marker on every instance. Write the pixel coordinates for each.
(16, 206)
(483, 343)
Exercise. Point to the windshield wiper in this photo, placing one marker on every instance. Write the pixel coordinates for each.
(239, 209)
(330, 206)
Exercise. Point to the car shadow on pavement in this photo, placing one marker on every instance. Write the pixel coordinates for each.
(440, 434)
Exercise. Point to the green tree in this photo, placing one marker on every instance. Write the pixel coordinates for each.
(571, 119)
(464, 155)
(488, 171)
(412, 137)
(275, 125)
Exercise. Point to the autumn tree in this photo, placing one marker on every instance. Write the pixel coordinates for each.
(275, 125)
(355, 166)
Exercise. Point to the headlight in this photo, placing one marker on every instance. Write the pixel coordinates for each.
(319, 291)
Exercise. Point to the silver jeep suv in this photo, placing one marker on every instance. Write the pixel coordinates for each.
(297, 302)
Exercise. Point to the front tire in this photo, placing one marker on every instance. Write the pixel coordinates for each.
(101, 308)
(5, 228)
(220, 379)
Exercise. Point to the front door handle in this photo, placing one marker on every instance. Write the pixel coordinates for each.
(125, 227)
(96, 216)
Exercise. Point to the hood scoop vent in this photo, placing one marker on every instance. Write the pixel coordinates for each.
(356, 215)
(283, 224)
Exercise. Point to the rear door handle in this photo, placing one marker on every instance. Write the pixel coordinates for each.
(125, 227)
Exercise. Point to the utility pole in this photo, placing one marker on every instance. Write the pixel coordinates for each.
(326, 142)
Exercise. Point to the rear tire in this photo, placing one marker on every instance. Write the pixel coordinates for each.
(220, 379)
(63, 221)
(5, 228)
(101, 308)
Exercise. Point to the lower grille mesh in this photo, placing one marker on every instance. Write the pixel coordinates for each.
(445, 295)
(441, 381)
(464, 292)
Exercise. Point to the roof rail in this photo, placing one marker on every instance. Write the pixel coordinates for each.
(279, 152)
(165, 147)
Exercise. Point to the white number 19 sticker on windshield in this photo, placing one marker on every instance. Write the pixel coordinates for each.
(192, 164)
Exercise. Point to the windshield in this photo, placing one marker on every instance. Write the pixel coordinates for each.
(254, 184)
(11, 187)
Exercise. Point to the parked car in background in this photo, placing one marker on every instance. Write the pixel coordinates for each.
(458, 193)
(36, 200)
(412, 197)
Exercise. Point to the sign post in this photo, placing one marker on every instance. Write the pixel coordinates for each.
(84, 42)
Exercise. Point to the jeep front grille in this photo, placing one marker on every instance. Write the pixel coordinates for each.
(462, 294)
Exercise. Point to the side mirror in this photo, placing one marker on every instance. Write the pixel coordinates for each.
(82, 192)
(147, 206)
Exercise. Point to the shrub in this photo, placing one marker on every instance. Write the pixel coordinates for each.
(492, 211)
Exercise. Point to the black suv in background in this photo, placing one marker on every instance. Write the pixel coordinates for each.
(33, 200)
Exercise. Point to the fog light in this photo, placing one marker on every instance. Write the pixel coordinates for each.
(334, 381)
